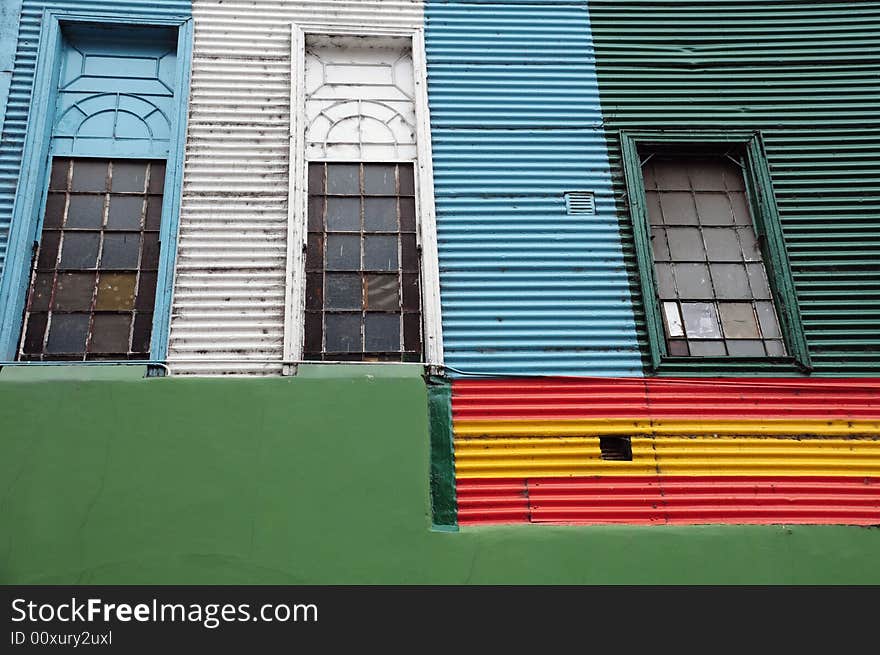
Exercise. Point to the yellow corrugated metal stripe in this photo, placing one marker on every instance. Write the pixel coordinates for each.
(671, 455)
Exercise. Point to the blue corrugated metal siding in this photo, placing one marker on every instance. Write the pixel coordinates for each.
(18, 105)
(10, 11)
(516, 122)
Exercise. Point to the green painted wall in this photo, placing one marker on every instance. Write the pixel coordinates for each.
(318, 479)
(807, 74)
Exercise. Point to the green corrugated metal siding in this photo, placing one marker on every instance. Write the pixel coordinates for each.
(808, 75)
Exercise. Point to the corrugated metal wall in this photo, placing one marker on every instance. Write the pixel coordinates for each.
(230, 282)
(18, 106)
(808, 75)
(515, 117)
(703, 451)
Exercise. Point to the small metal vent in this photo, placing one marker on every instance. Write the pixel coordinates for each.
(616, 449)
(580, 202)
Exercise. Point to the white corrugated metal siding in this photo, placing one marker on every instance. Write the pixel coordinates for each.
(229, 295)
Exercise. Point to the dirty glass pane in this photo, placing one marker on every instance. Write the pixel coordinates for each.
(722, 244)
(407, 214)
(125, 212)
(738, 320)
(316, 213)
(767, 320)
(655, 213)
(731, 281)
(48, 257)
(314, 333)
(380, 215)
(707, 348)
(665, 281)
(41, 292)
(343, 252)
(58, 176)
(700, 320)
(745, 348)
(154, 213)
(67, 334)
(649, 176)
(674, 325)
(89, 176)
(758, 281)
(314, 291)
(714, 209)
(157, 177)
(35, 333)
(411, 292)
(343, 332)
(343, 214)
(692, 281)
(121, 250)
(141, 333)
(146, 294)
(316, 178)
(412, 332)
(678, 208)
(343, 179)
(128, 177)
(677, 348)
(750, 248)
(383, 292)
(775, 348)
(80, 249)
(150, 254)
(380, 179)
(740, 204)
(685, 244)
(55, 207)
(74, 292)
(315, 253)
(659, 245)
(85, 212)
(671, 175)
(380, 253)
(343, 291)
(409, 253)
(707, 174)
(111, 333)
(381, 332)
(407, 183)
(116, 291)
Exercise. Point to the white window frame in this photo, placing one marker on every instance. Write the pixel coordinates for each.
(295, 296)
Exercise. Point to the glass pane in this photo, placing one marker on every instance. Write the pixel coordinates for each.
(316, 178)
(671, 174)
(154, 213)
(67, 334)
(738, 320)
(343, 179)
(125, 212)
(649, 176)
(714, 209)
(116, 291)
(146, 294)
(121, 250)
(343, 214)
(674, 326)
(730, 281)
(665, 282)
(692, 281)
(157, 177)
(411, 292)
(767, 319)
(412, 333)
(316, 213)
(380, 215)
(733, 176)
(58, 176)
(74, 292)
(85, 212)
(659, 245)
(315, 252)
(678, 348)
(35, 333)
(143, 330)
(685, 244)
(408, 214)
(409, 252)
(707, 348)
(775, 348)
(758, 281)
(380, 253)
(80, 249)
(743, 348)
(700, 320)
(722, 244)
(407, 185)
(343, 291)
(150, 255)
(314, 291)
(314, 333)
(343, 332)
(89, 176)
(678, 208)
(707, 174)
(383, 292)
(741, 214)
(48, 257)
(343, 252)
(751, 249)
(111, 333)
(380, 179)
(655, 213)
(55, 206)
(382, 333)
(129, 177)
(41, 292)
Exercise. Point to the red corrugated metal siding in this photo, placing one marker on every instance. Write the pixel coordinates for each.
(671, 500)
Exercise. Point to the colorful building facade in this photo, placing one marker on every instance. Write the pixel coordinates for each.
(347, 291)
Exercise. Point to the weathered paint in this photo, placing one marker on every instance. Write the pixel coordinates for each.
(9, 16)
(701, 436)
(312, 480)
(525, 288)
(807, 75)
(229, 295)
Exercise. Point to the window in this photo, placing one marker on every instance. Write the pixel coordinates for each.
(715, 275)
(93, 283)
(363, 159)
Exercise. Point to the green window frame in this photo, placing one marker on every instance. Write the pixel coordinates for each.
(748, 147)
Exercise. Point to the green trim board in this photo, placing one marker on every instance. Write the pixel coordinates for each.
(749, 147)
(32, 187)
(443, 501)
(314, 481)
